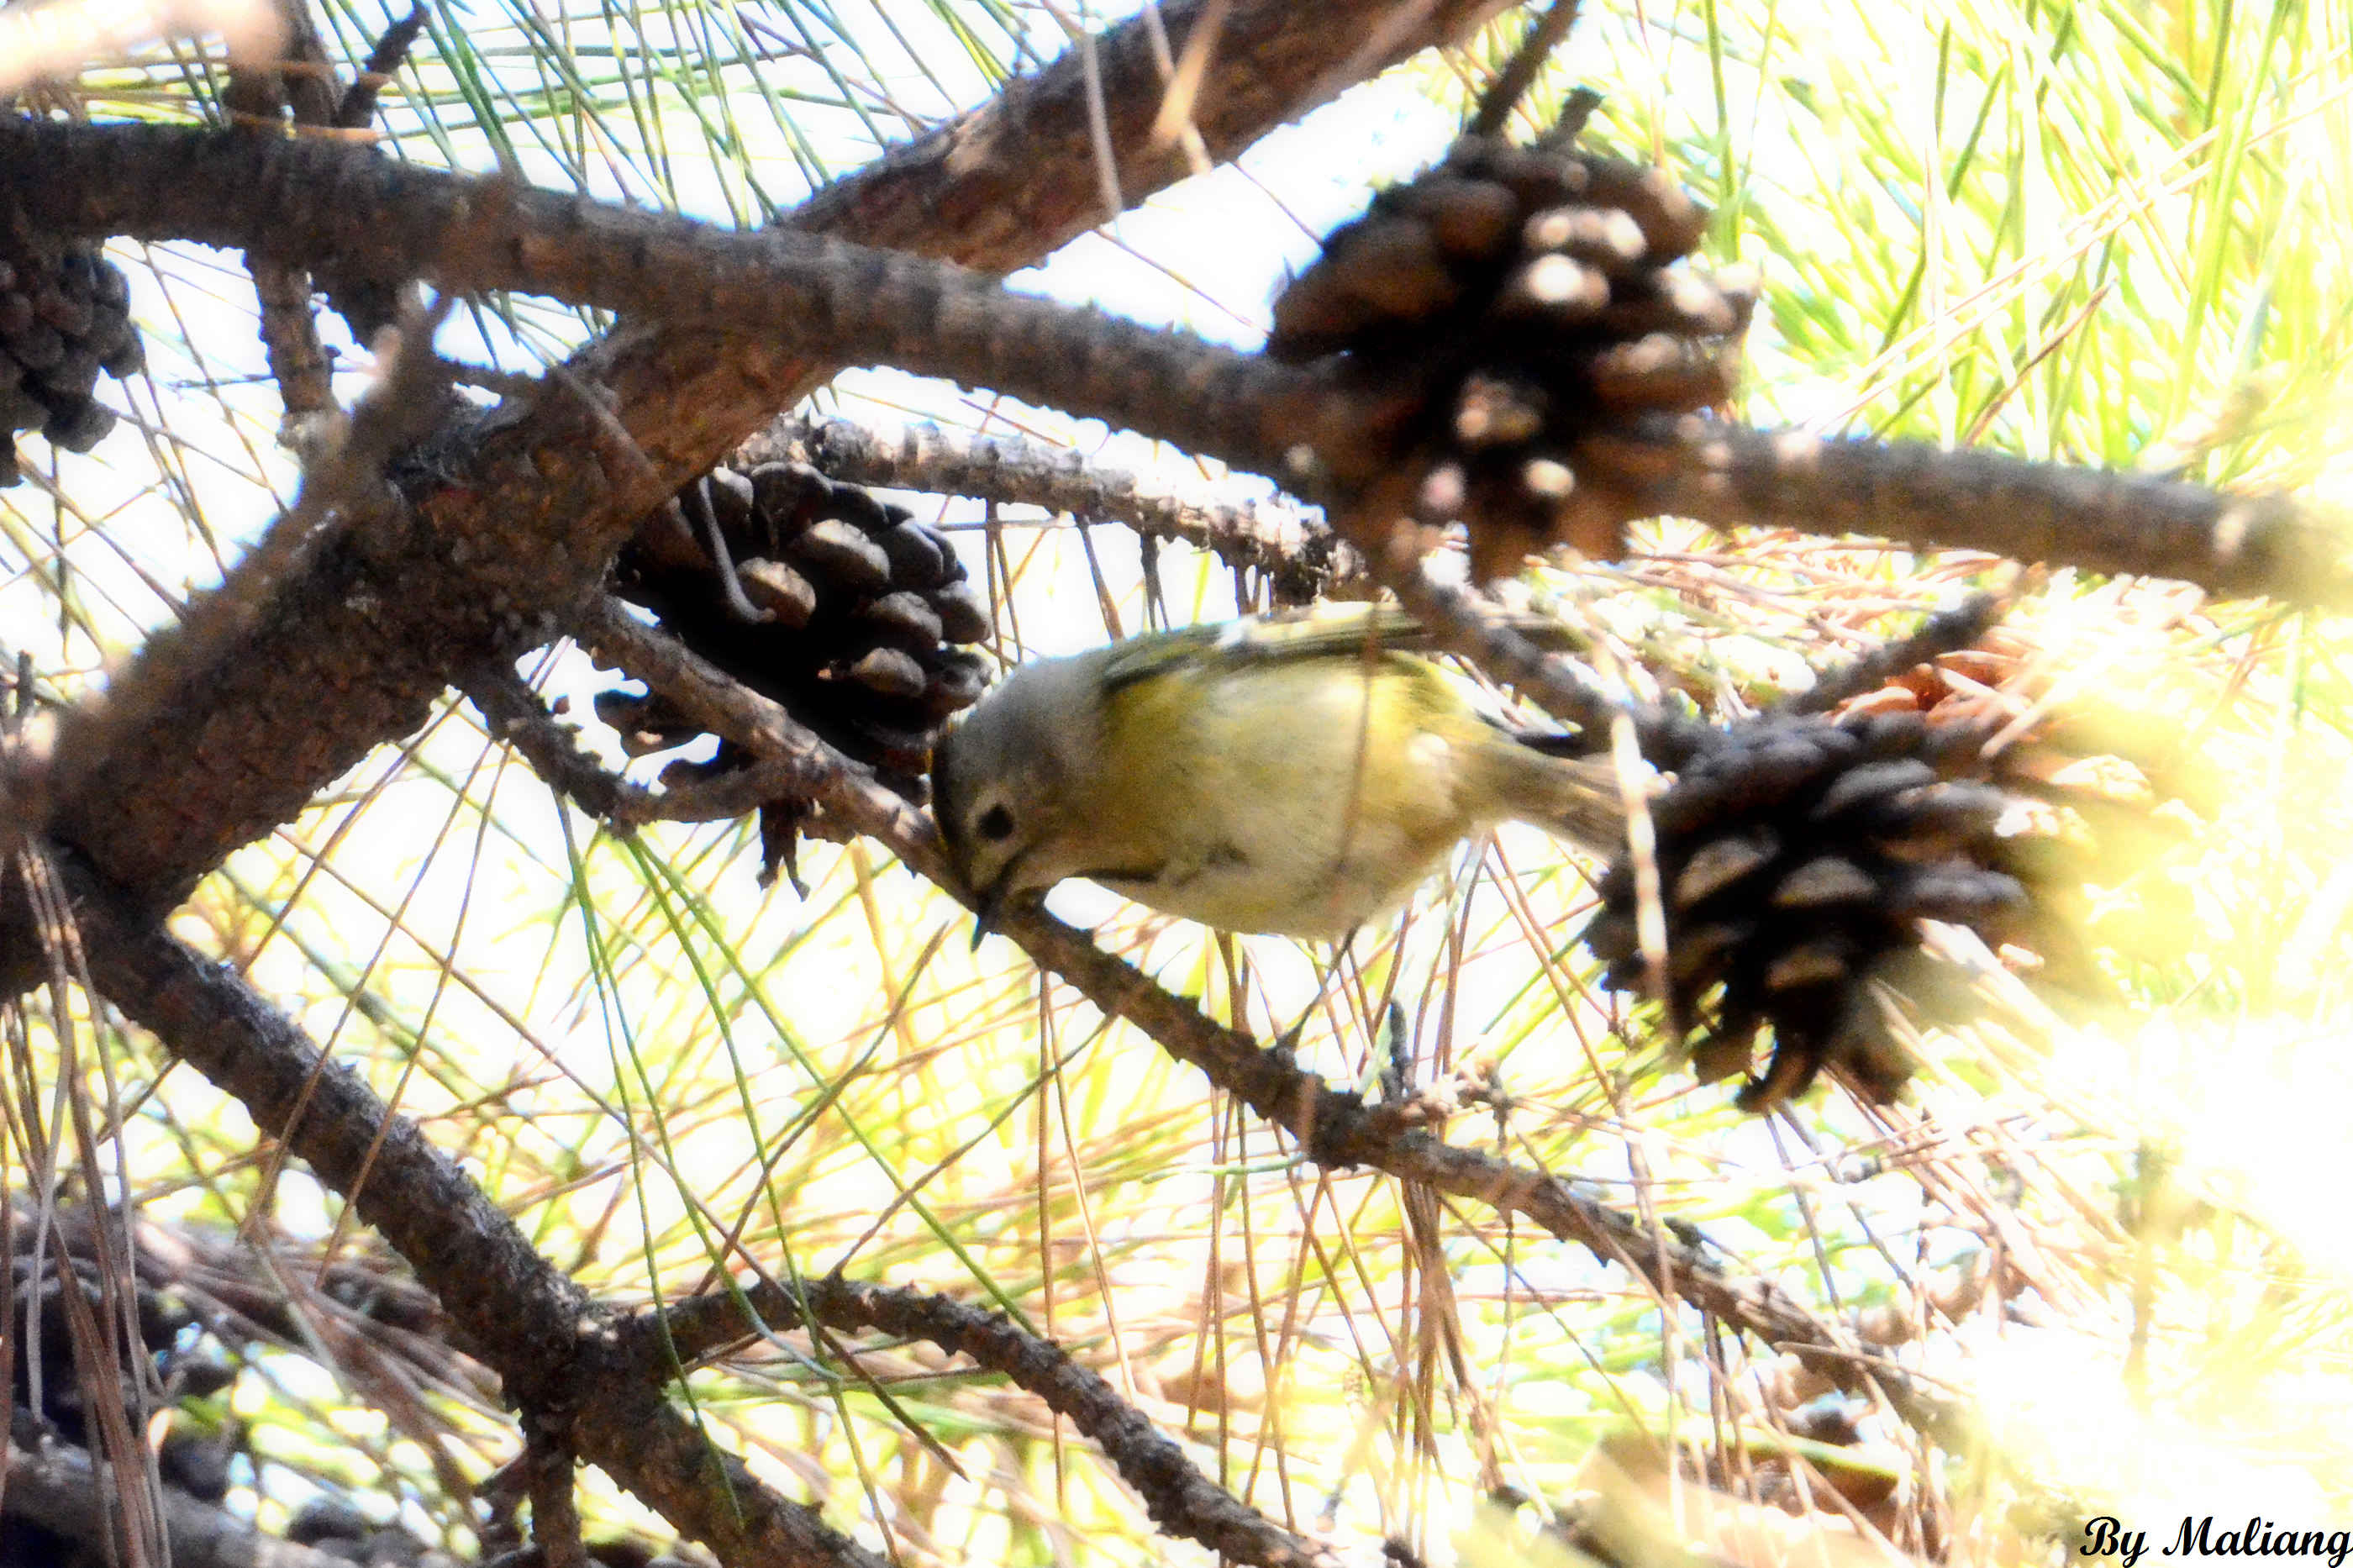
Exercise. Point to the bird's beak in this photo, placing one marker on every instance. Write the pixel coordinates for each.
(984, 919)
(991, 899)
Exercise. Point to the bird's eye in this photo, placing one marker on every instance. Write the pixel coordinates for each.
(996, 823)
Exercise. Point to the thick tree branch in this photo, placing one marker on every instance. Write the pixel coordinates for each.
(343, 492)
(1313, 432)
(311, 201)
(515, 1313)
(1730, 476)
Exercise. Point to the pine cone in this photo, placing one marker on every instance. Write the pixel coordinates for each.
(1528, 294)
(851, 615)
(1794, 858)
(65, 316)
(1798, 853)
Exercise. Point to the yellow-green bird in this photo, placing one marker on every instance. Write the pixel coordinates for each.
(1299, 778)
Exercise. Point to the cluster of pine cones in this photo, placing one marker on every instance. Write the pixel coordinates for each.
(65, 316)
(1529, 294)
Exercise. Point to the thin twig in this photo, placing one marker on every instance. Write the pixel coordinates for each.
(1296, 552)
(358, 106)
(552, 748)
(513, 713)
(805, 766)
(256, 95)
(1519, 73)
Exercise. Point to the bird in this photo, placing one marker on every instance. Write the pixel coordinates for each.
(1292, 777)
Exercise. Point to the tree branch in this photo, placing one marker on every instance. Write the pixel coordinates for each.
(1333, 1126)
(512, 712)
(256, 96)
(1729, 476)
(313, 202)
(1296, 552)
(356, 109)
(514, 519)
(519, 1316)
(1320, 434)
(1181, 1500)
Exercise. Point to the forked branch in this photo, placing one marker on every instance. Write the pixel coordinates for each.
(1316, 431)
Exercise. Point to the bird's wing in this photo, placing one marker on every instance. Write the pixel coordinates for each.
(1330, 632)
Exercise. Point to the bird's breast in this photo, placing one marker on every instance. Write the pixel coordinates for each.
(1305, 801)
